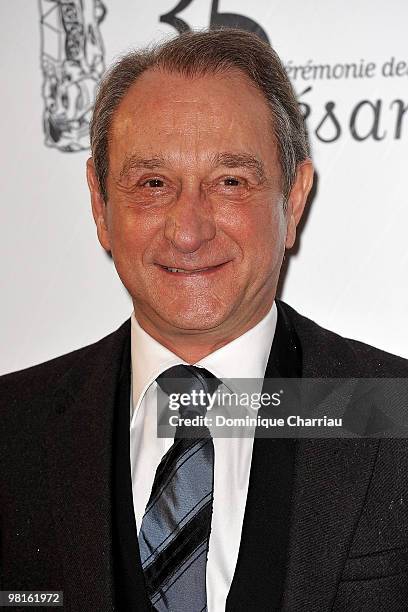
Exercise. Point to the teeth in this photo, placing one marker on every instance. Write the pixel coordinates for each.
(185, 271)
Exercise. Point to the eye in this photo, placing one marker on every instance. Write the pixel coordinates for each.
(153, 183)
(230, 181)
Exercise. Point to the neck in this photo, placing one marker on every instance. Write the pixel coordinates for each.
(193, 345)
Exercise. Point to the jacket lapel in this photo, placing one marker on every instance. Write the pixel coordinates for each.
(129, 582)
(304, 498)
(330, 484)
(79, 459)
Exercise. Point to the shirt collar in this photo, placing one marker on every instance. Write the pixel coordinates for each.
(243, 357)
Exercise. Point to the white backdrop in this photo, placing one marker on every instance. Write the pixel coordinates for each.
(349, 273)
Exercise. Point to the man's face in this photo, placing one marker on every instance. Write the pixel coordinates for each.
(195, 218)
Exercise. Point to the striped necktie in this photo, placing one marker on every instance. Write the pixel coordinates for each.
(175, 530)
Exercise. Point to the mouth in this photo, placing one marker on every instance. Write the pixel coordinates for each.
(193, 271)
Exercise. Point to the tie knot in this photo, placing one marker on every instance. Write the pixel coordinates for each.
(197, 382)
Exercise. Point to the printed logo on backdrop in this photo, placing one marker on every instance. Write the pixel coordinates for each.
(72, 62)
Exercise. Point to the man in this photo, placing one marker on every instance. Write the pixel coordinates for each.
(199, 175)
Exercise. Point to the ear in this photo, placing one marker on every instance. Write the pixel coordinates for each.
(98, 206)
(297, 199)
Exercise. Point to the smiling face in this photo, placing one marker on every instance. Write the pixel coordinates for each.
(195, 218)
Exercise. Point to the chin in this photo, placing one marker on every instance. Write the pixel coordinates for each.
(190, 319)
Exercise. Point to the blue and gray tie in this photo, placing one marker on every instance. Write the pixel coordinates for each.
(175, 530)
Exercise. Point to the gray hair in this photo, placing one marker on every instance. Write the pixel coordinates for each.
(197, 54)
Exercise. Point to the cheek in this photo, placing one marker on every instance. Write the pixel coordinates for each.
(261, 235)
(131, 233)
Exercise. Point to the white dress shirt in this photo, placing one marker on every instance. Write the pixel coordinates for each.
(244, 357)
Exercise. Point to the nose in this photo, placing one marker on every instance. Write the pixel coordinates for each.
(190, 221)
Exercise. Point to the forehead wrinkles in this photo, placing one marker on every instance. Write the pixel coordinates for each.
(180, 120)
(171, 97)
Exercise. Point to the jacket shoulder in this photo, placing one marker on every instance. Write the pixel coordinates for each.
(335, 352)
(37, 380)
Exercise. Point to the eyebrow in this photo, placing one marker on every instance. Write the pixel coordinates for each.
(229, 160)
(133, 162)
(241, 160)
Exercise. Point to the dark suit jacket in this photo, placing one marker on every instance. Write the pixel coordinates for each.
(338, 524)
